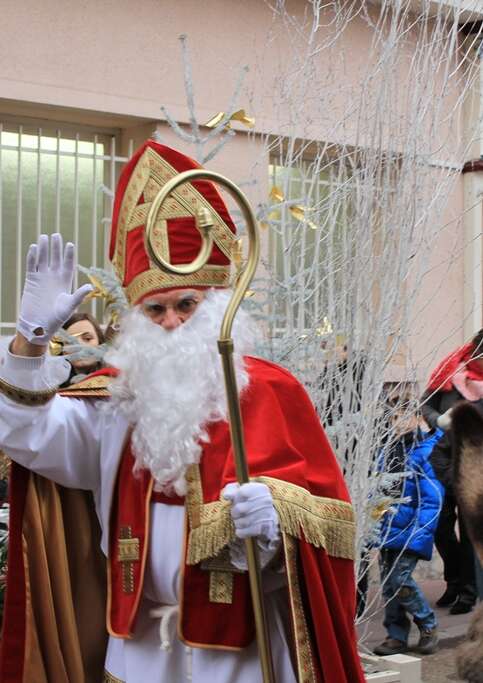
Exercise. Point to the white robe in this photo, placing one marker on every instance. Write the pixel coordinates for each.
(78, 444)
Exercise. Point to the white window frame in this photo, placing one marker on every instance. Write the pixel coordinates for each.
(276, 160)
(113, 162)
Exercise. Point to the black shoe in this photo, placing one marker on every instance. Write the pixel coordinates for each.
(390, 646)
(428, 641)
(461, 607)
(449, 596)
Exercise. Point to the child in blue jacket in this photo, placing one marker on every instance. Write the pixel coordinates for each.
(407, 533)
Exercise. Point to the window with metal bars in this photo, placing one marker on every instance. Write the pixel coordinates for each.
(309, 220)
(52, 180)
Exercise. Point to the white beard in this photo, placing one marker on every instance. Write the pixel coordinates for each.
(171, 386)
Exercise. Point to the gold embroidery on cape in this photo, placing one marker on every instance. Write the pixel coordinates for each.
(221, 587)
(323, 522)
(219, 566)
(27, 397)
(303, 647)
(128, 553)
(90, 383)
(84, 393)
(5, 464)
(194, 494)
(152, 171)
(109, 678)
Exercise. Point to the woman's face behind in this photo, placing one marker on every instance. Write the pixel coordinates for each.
(85, 333)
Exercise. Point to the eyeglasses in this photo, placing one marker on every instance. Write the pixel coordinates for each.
(182, 308)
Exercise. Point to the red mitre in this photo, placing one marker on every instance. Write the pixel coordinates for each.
(175, 236)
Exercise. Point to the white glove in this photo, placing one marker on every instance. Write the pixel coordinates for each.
(47, 301)
(444, 421)
(252, 511)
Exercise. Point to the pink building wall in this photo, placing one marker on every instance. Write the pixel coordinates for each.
(114, 63)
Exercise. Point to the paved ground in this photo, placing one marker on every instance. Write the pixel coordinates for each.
(437, 668)
(440, 667)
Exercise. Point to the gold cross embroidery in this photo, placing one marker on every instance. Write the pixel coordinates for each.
(128, 553)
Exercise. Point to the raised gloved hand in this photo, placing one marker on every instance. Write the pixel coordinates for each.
(252, 511)
(444, 421)
(47, 301)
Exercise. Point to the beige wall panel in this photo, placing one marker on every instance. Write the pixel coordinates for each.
(124, 57)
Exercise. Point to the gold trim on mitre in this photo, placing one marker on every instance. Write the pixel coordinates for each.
(151, 173)
(150, 280)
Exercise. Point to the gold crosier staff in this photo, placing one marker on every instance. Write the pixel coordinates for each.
(204, 224)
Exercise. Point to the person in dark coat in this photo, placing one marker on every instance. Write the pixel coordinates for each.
(459, 377)
(407, 533)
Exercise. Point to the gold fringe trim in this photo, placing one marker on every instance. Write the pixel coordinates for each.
(215, 531)
(323, 522)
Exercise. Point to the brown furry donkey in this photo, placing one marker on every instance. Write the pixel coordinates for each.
(467, 427)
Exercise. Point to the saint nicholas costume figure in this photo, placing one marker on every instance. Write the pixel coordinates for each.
(127, 561)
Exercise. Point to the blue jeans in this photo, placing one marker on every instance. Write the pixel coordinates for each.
(402, 595)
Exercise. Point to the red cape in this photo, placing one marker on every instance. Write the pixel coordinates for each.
(285, 440)
(288, 450)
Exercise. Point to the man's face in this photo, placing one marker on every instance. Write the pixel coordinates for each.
(172, 309)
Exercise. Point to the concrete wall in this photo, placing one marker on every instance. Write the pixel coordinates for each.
(123, 58)
(114, 63)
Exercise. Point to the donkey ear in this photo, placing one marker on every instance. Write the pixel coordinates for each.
(468, 469)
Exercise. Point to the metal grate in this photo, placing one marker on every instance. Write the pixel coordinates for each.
(53, 180)
(303, 244)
